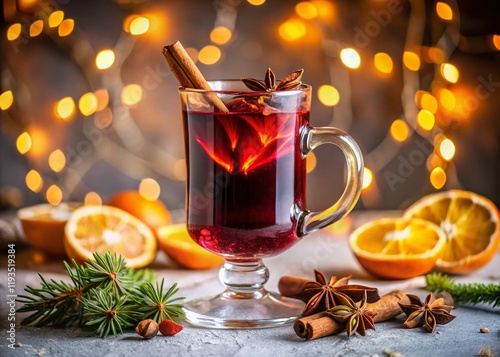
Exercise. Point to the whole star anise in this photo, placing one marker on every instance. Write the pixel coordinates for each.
(292, 81)
(355, 315)
(430, 313)
(326, 294)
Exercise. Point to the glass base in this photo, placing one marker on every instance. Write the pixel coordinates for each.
(237, 310)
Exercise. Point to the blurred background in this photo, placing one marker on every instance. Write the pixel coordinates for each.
(89, 107)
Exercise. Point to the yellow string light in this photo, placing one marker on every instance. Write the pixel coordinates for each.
(54, 195)
(66, 27)
(306, 10)
(449, 72)
(446, 98)
(399, 130)
(105, 59)
(328, 95)
(102, 97)
(149, 189)
(92, 199)
(209, 55)
(383, 62)
(36, 28)
(6, 100)
(496, 41)
(429, 102)
(65, 108)
(447, 149)
(13, 32)
(292, 30)
(437, 178)
(139, 25)
(350, 58)
(87, 104)
(57, 160)
(425, 119)
(411, 61)
(34, 181)
(444, 11)
(24, 143)
(367, 178)
(311, 162)
(256, 2)
(56, 18)
(131, 94)
(220, 35)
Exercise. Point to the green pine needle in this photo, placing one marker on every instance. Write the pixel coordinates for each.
(464, 293)
(156, 305)
(104, 293)
(109, 313)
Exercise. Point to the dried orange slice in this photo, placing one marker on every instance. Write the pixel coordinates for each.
(101, 228)
(396, 248)
(175, 241)
(470, 223)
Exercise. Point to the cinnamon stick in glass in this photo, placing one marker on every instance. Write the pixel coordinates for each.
(186, 72)
(321, 324)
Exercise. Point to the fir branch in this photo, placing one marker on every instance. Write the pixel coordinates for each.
(156, 305)
(465, 293)
(107, 272)
(111, 314)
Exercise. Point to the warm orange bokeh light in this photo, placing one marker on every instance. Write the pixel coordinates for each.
(400, 130)
(328, 95)
(411, 60)
(383, 62)
(149, 189)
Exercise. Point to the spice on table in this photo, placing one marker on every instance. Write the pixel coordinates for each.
(355, 315)
(322, 324)
(484, 330)
(320, 295)
(147, 328)
(430, 313)
(170, 328)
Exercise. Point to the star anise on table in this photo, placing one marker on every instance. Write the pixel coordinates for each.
(290, 82)
(326, 294)
(430, 313)
(354, 314)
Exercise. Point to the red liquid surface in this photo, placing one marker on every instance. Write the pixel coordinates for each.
(245, 174)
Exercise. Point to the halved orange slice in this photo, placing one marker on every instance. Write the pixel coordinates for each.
(470, 223)
(101, 228)
(396, 248)
(175, 241)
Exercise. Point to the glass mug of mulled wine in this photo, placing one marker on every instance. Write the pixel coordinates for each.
(246, 183)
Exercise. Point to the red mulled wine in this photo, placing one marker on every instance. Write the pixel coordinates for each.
(245, 174)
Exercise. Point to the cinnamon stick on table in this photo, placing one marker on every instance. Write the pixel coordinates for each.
(186, 72)
(321, 324)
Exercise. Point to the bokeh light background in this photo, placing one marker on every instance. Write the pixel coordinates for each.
(89, 107)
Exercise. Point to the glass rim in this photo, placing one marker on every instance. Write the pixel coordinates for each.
(248, 92)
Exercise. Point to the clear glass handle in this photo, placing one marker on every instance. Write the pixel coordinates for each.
(310, 138)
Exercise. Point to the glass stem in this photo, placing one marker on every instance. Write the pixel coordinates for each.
(244, 279)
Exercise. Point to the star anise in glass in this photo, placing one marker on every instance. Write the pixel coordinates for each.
(430, 313)
(354, 314)
(292, 81)
(325, 294)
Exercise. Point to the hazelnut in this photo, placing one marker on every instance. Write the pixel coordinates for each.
(147, 328)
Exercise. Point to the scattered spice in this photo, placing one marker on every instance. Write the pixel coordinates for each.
(323, 324)
(430, 313)
(389, 353)
(486, 352)
(169, 327)
(147, 328)
(484, 330)
(320, 295)
(355, 315)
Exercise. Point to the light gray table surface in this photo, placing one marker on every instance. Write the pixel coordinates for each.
(323, 251)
